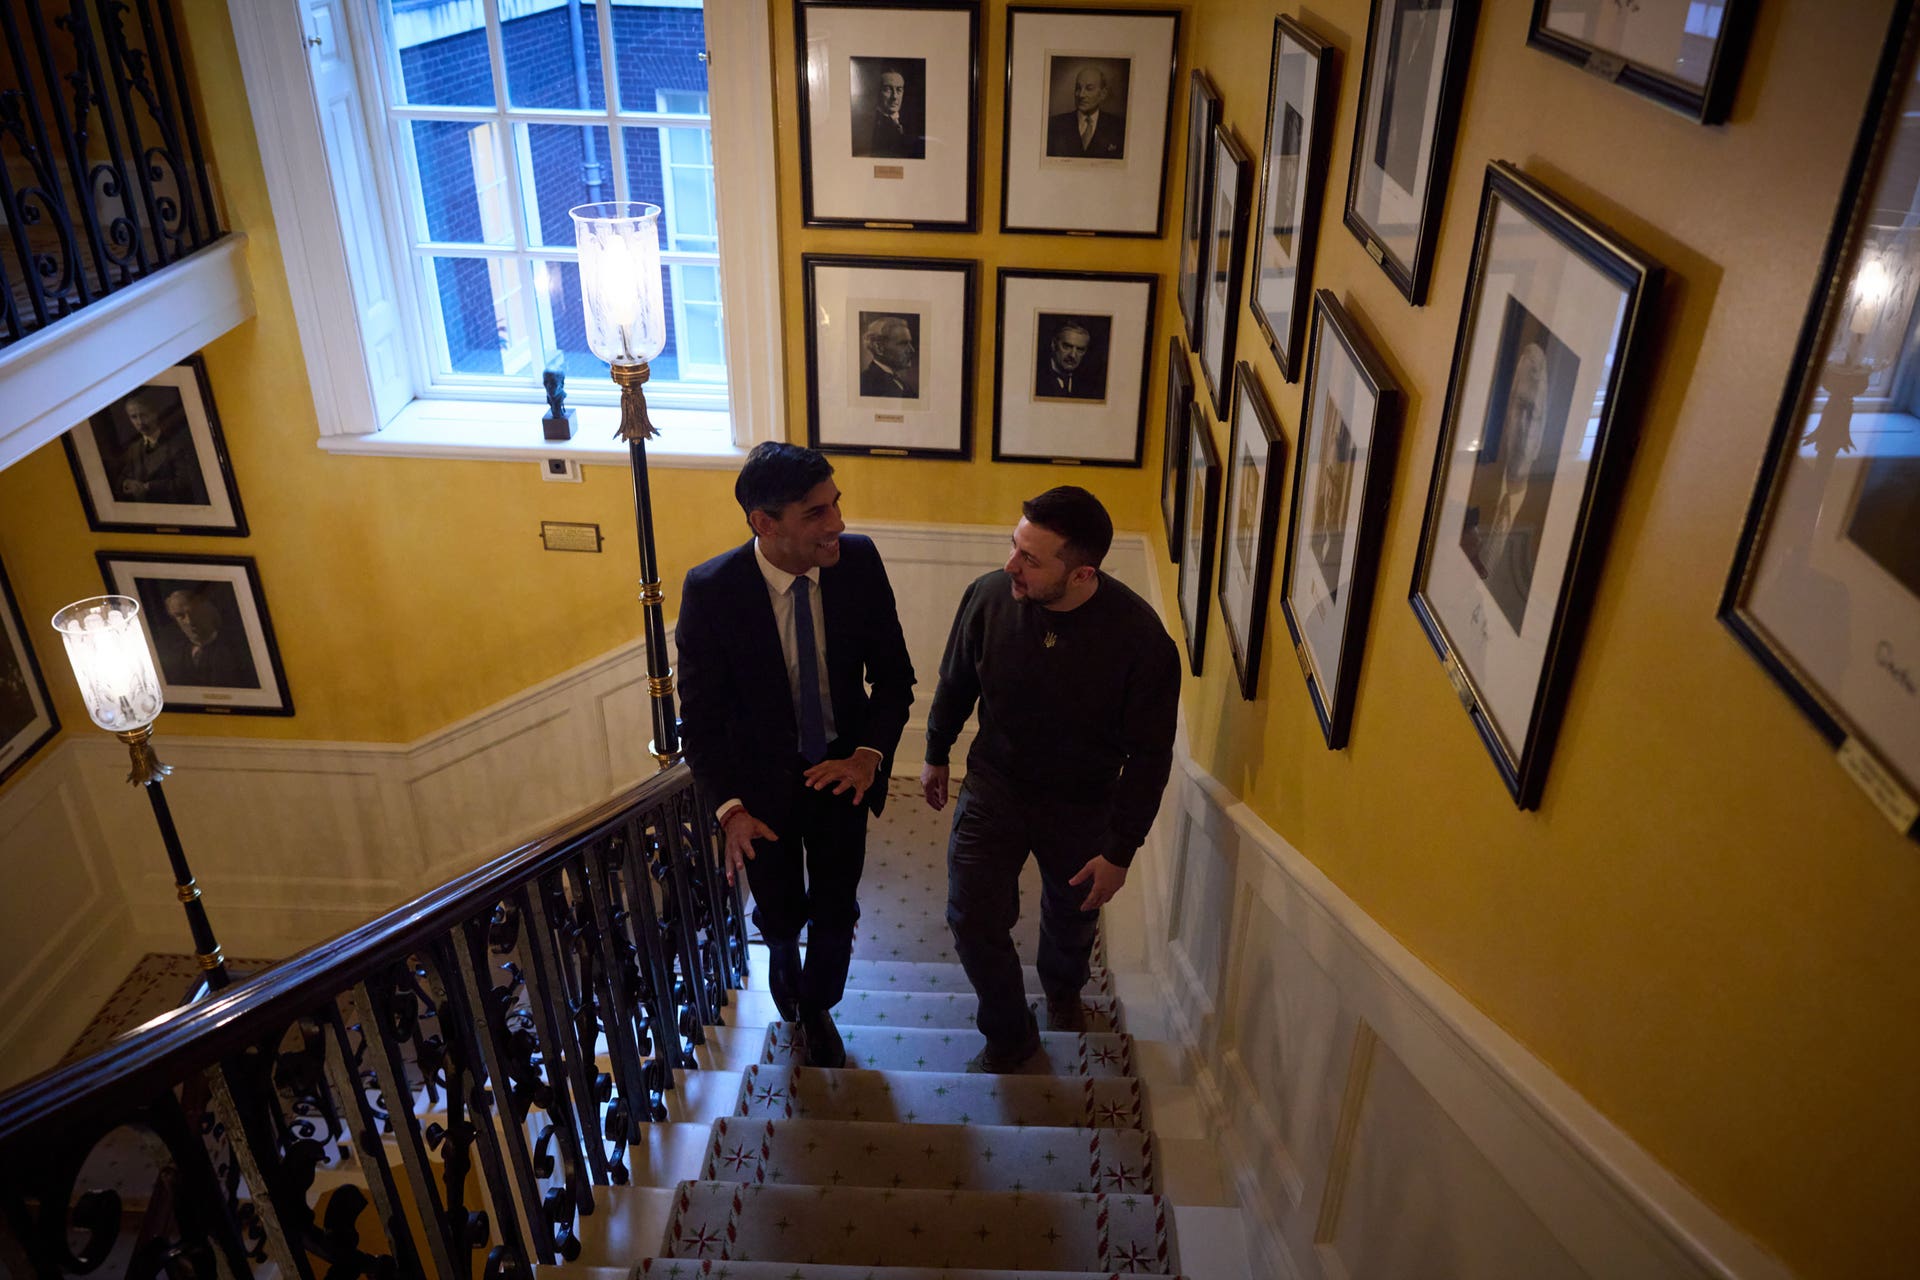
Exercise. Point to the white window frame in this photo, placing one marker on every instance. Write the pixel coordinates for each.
(324, 218)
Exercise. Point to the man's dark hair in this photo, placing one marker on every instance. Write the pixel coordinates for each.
(777, 473)
(1078, 518)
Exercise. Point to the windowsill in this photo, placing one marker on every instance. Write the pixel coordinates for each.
(503, 431)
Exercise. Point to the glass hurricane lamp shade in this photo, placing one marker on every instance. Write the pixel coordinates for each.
(111, 661)
(620, 280)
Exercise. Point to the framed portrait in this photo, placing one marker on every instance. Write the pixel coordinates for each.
(208, 629)
(1173, 461)
(27, 719)
(1203, 114)
(1410, 87)
(1256, 460)
(1070, 378)
(889, 114)
(890, 355)
(1683, 54)
(1224, 265)
(1350, 415)
(1825, 587)
(155, 460)
(1301, 99)
(1089, 109)
(1534, 442)
(1201, 480)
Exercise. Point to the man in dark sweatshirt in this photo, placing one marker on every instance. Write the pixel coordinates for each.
(1078, 685)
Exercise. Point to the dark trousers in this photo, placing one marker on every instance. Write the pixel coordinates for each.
(809, 878)
(995, 826)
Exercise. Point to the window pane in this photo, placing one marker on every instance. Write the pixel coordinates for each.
(545, 66)
(462, 196)
(562, 166)
(695, 337)
(481, 316)
(440, 52)
(657, 47)
(563, 325)
(688, 197)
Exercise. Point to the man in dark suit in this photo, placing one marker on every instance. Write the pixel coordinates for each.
(1066, 371)
(886, 133)
(892, 367)
(1087, 132)
(778, 642)
(202, 650)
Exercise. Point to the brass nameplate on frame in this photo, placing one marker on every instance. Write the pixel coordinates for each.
(1461, 685)
(561, 535)
(1881, 786)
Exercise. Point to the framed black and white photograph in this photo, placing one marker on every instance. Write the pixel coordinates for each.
(1301, 97)
(1410, 87)
(208, 628)
(1534, 442)
(889, 114)
(1350, 416)
(1173, 459)
(27, 719)
(1256, 463)
(1825, 588)
(1088, 112)
(155, 460)
(1070, 380)
(1203, 114)
(1224, 265)
(1201, 480)
(1684, 54)
(890, 355)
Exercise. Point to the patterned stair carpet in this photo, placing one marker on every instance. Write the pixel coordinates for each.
(902, 1165)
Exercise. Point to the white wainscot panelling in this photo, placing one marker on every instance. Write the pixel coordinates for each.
(1197, 924)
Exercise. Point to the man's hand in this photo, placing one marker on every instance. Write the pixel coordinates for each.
(855, 773)
(741, 830)
(933, 785)
(1107, 879)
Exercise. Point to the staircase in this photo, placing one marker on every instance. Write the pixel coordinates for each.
(901, 1166)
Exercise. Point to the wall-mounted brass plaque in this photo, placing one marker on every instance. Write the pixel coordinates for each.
(560, 535)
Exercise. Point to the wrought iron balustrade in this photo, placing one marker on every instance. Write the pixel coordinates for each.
(435, 1093)
(102, 177)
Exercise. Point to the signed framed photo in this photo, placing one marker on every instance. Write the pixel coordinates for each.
(1070, 377)
(155, 460)
(1173, 460)
(1825, 588)
(1350, 421)
(1301, 98)
(889, 114)
(1683, 54)
(1203, 113)
(1202, 484)
(1256, 460)
(1089, 108)
(1534, 442)
(1224, 265)
(1414, 74)
(890, 355)
(27, 719)
(208, 627)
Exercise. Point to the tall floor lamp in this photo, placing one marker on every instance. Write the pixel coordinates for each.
(626, 326)
(108, 649)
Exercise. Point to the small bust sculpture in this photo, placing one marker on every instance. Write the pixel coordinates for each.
(559, 423)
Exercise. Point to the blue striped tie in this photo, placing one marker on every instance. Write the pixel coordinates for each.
(813, 726)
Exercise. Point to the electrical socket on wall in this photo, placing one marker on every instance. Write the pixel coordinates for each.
(560, 470)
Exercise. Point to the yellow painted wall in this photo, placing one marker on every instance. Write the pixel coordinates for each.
(1705, 928)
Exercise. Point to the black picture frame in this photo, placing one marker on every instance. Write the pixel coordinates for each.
(1300, 122)
(1351, 405)
(1203, 114)
(28, 721)
(181, 481)
(927, 178)
(243, 677)
(1392, 207)
(852, 305)
(1706, 98)
(1201, 479)
(1511, 545)
(1100, 418)
(1250, 515)
(1044, 179)
(1824, 590)
(1173, 459)
(1220, 291)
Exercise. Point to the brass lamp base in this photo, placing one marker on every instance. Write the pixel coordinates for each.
(146, 764)
(634, 423)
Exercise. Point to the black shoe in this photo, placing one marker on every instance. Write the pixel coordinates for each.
(1025, 1059)
(1066, 1014)
(783, 978)
(825, 1048)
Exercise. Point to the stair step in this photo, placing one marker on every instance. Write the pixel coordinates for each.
(780, 1091)
(712, 1269)
(906, 975)
(1064, 1053)
(974, 1157)
(1039, 1230)
(943, 1010)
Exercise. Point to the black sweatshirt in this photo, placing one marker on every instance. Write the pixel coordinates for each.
(1086, 716)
